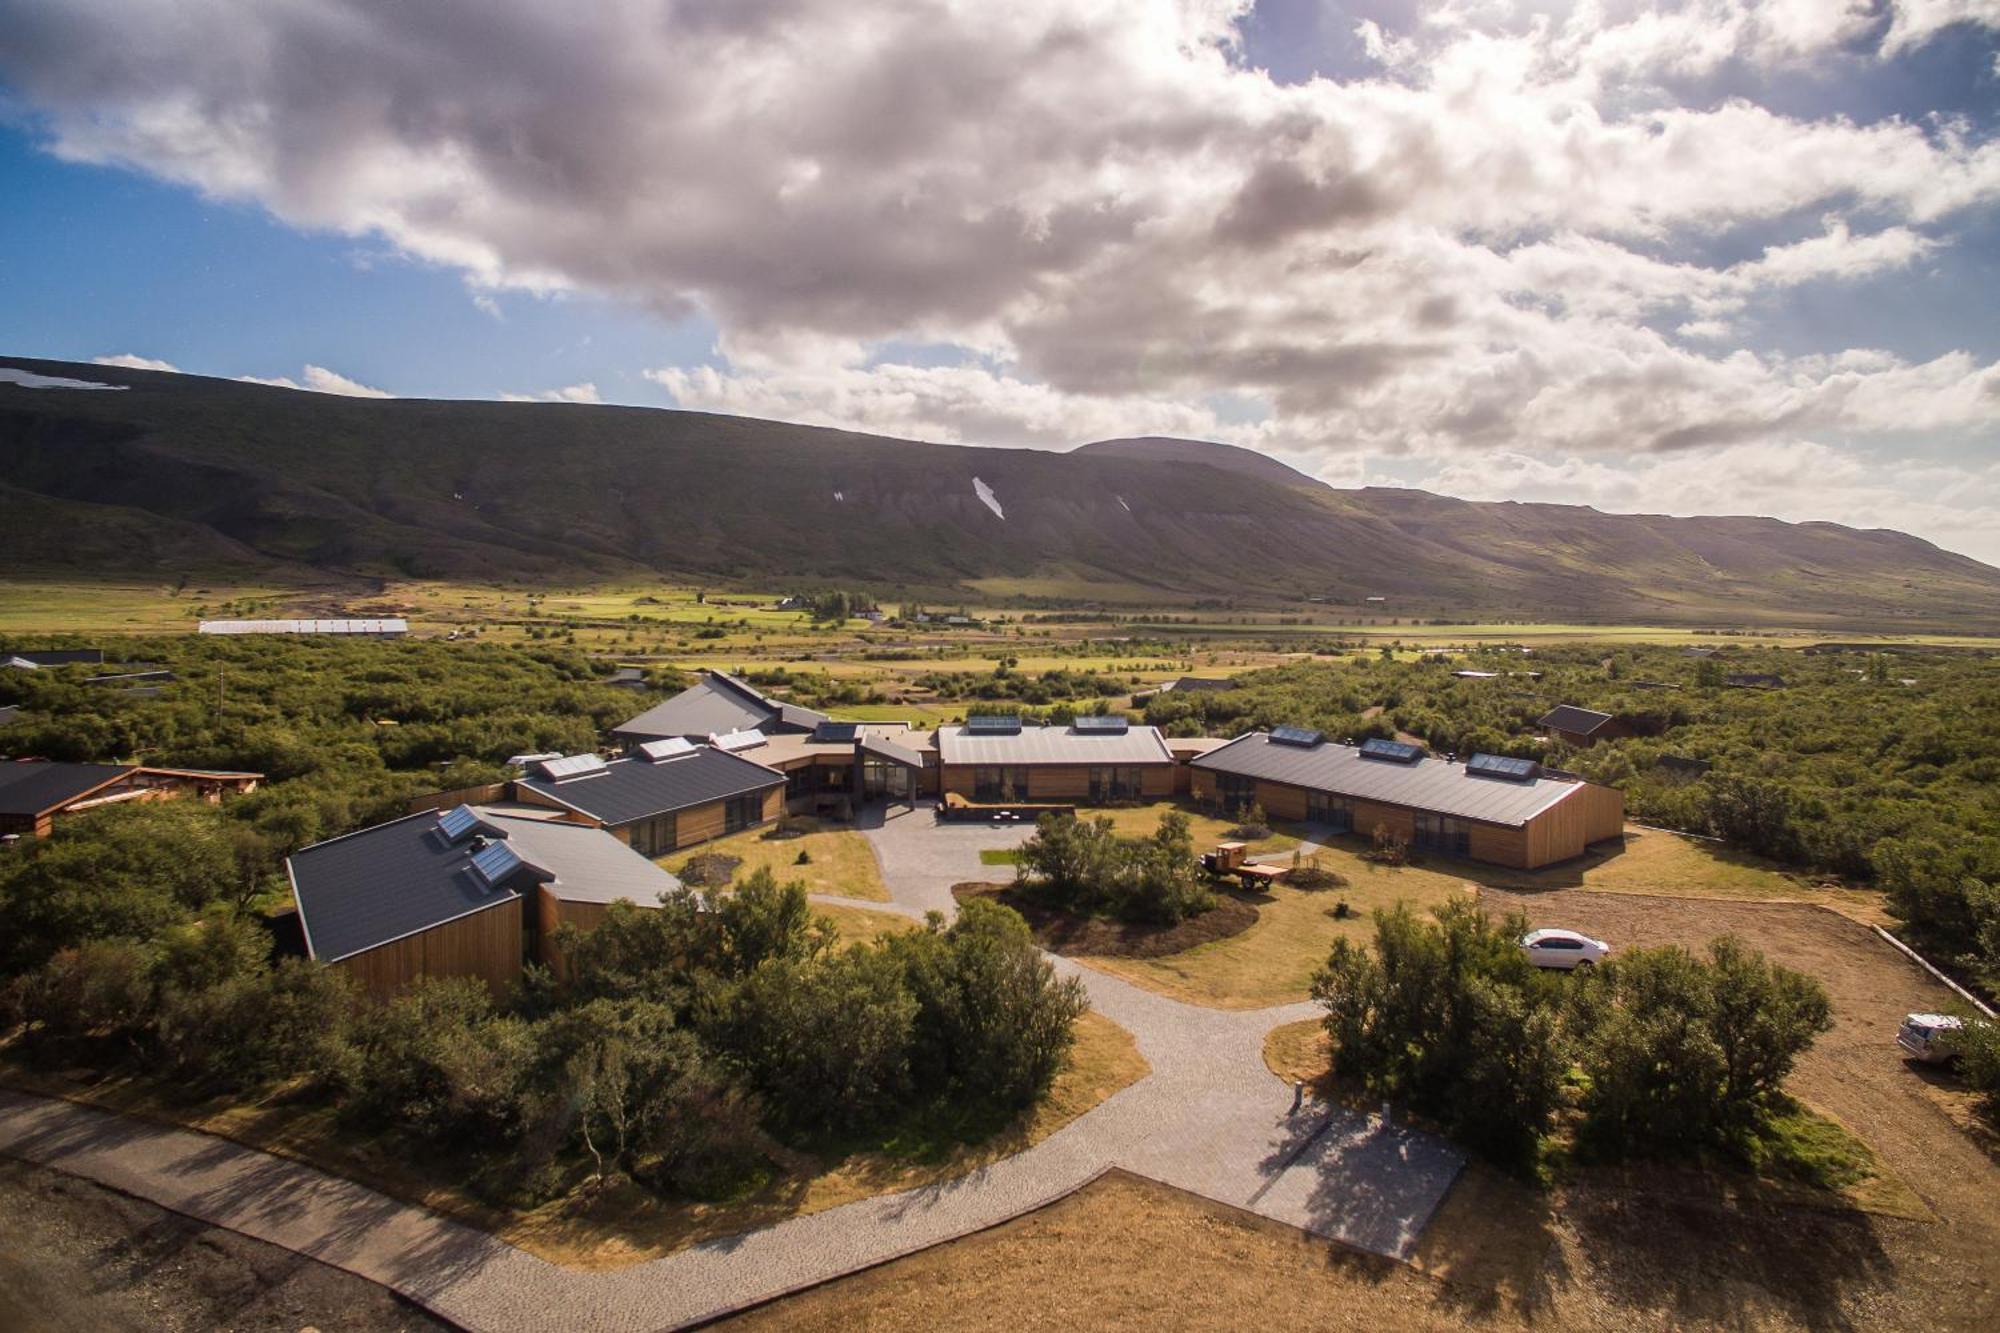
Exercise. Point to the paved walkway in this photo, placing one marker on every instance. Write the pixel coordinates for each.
(1210, 1118)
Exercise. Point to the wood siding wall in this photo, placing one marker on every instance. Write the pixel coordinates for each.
(1059, 782)
(551, 912)
(486, 944)
(701, 823)
(445, 800)
(1587, 815)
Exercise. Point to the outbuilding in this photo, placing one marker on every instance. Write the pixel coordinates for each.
(1093, 759)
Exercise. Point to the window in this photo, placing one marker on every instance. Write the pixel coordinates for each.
(741, 812)
(655, 836)
(1337, 812)
(1236, 790)
(986, 783)
(799, 782)
(1114, 784)
(1559, 944)
(1443, 834)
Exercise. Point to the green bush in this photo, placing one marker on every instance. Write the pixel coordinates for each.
(1083, 866)
(1447, 1017)
(438, 1063)
(1680, 1052)
(258, 1026)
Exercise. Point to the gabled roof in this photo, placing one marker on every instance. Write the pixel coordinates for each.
(1568, 717)
(1434, 785)
(716, 705)
(630, 789)
(47, 657)
(33, 787)
(10, 715)
(1052, 745)
(381, 884)
(1200, 684)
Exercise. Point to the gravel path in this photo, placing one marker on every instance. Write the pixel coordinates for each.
(1210, 1118)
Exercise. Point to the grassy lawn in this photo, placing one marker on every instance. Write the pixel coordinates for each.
(1140, 821)
(861, 925)
(842, 862)
(617, 1224)
(1000, 856)
(1651, 861)
(1273, 961)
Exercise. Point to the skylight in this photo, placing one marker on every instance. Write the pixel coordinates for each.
(1396, 752)
(457, 822)
(674, 747)
(1105, 725)
(494, 862)
(572, 767)
(1303, 737)
(1503, 766)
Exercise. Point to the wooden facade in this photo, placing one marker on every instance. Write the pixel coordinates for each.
(1069, 783)
(488, 944)
(658, 835)
(1589, 814)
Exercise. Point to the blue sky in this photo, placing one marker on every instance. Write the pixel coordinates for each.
(1736, 256)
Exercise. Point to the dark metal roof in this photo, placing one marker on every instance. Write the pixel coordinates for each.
(630, 789)
(1568, 717)
(716, 705)
(43, 657)
(364, 890)
(889, 750)
(10, 715)
(31, 787)
(1425, 784)
(1198, 684)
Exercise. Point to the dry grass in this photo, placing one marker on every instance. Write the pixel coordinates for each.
(842, 862)
(1273, 961)
(1140, 821)
(860, 924)
(618, 1224)
(1653, 861)
(1298, 1052)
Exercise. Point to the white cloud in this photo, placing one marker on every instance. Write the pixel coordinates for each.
(318, 379)
(1107, 222)
(575, 393)
(130, 362)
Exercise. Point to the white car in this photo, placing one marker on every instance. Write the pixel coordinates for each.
(1927, 1038)
(1564, 950)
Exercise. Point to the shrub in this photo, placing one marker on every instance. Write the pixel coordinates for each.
(439, 1063)
(993, 1024)
(1448, 1017)
(258, 1026)
(1387, 847)
(1251, 823)
(1084, 867)
(708, 870)
(1681, 1052)
(103, 988)
(826, 1041)
(1312, 873)
(1978, 1047)
(766, 920)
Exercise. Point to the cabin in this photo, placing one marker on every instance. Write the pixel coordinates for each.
(1754, 680)
(1584, 727)
(840, 765)
(716, 705)
(467, 892)
(671, 794)
(1198, 685)
(1506, 811)
(1093, 759)
(34, 659)
(35, 793)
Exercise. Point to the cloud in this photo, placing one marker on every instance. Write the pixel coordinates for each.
(1516, 231)
(575, 393)
(318, 379)
(130, 362)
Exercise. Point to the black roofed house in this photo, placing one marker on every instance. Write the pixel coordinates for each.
(1754, 680)
(1493, 808)
(35, 793)
(670, 795)
(716, 705)
(627, 678)
(1585, 726)
(10, 715)
(468, 892)
(34, 659)
(836, 765)
(1198, 685)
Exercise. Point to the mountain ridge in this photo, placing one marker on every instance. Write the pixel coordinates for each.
(182, 469)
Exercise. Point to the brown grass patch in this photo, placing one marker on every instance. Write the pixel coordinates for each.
(840, 861)
(1074, 936)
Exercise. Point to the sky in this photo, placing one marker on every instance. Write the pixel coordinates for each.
(1711, 256)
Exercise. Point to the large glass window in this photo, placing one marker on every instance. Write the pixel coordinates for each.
(655, 836)
(1337, 812)
(742, 812)
(1441, 833)
(1235, 790)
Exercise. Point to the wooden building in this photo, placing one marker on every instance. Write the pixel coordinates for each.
(839, 766)
(1583, 727)
(1093, 760)
(716, 705)
(465, 893)
(35, 793)
(672, 794)
(1506, 811)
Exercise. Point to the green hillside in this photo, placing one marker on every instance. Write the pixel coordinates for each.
(183, 471)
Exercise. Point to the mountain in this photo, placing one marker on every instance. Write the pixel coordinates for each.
(176, 473)
(1206, 453)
